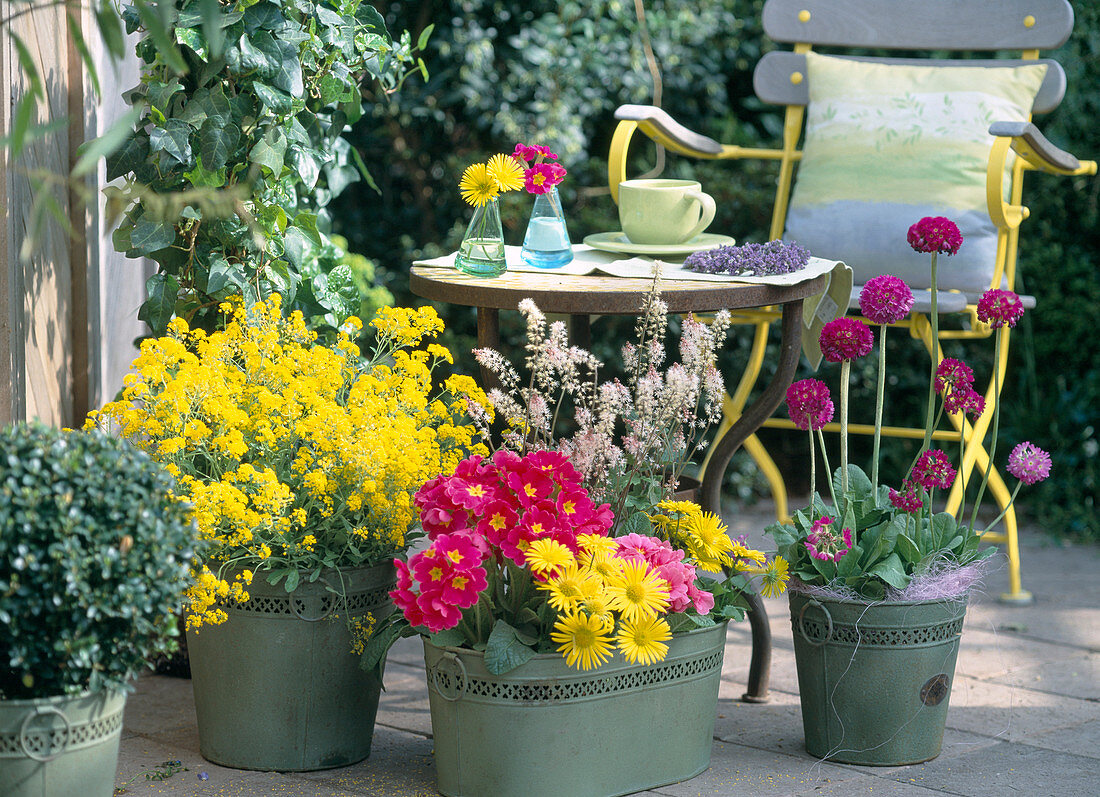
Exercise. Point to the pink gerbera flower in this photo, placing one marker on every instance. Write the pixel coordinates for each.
(845, 339)
(935, 234)
(999, 308)
(1029, 463)
(885, 299)
(809, 404)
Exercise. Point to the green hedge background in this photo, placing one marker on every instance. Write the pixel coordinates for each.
(553, 73)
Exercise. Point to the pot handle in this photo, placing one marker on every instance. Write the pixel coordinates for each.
(454, 692)
(39, 711)
(802, 625)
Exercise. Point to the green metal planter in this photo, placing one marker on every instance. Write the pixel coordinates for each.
(875, 679)
(546, 730)
(60, 746)
(277, 686)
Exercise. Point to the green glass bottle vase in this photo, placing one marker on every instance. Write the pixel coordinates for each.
(482, 251)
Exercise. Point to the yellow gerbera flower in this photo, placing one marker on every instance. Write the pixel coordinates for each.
(775, 578)
(583, 639)
(637, 592)
(566, 589)
(506, 172)
(546, 557)
(643, 642)
(739, 551)
(477, 186)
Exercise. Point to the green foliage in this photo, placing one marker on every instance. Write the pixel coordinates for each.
(95, 556)
(239, 149)
(889, 547)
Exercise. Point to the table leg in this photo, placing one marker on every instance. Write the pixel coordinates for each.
(751, 420)
(488, 337)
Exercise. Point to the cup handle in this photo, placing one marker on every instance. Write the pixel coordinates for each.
(707, 214)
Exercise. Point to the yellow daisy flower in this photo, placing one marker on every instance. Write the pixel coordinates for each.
(477, 186)
(643, 642)
(591, 543)
(637, 592)
(710, 544)
(546, 557)
(739, 551)
(567, 588)
(583, 640)
(775, 578)
(506, 172)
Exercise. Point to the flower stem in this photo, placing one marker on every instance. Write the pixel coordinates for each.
(879, 398)
(845, 371)
(934, 320)
(1004, 511)
(813, 466)
(828, 470)
(996, 426)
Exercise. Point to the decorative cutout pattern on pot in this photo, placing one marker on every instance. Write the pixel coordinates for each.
(45, 744)
(310, 608)
(817, 631)
(452, 685)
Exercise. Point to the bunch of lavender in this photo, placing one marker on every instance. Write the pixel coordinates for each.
(632, 440)
(755, 260)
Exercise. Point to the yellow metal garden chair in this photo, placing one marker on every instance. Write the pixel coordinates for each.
(887, 141)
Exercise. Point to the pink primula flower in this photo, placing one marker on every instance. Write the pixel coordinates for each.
(935, 234)
(845, 339)
(809, 404)
(885, 299)
(908, 500)
(541, 177)
(954, 374)
(1029, 463)
(1000, 308)
(825, 544)
(933, 469)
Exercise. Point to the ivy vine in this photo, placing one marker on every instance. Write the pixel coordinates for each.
(238, 150)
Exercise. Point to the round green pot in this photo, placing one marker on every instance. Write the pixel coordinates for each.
(60, 746)
(546, 729)
(277, 686)
(875, 680)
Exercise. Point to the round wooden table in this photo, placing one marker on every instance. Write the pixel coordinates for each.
(582, 296)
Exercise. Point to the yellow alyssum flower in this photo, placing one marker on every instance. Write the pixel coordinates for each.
(283, 446)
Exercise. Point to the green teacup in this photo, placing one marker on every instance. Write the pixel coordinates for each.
(663, 211)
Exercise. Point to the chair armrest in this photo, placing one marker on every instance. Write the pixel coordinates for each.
(673, 136)
(1037, 151)
(665, 130)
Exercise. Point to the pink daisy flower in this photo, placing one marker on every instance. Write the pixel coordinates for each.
(885, 299)
(935, 234)
(845, 339)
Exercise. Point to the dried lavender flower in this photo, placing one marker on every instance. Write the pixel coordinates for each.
(750, 260)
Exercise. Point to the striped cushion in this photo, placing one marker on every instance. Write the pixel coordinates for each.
(887, 144)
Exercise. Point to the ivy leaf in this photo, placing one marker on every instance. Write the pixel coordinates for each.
(262, 16)
(174, 139)
(218, 276)
(336, 291)
(504, 651)
(306, 165)
(158, 308)
(149, 235)
(193, 38)
(278, 102)
(217, 141)
(202, 178)
(270, 151)
(287, 68)
(106, 145)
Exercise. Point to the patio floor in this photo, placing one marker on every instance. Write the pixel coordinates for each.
(1024, 716)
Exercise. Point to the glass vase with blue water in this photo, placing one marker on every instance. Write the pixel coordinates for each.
(546, 244)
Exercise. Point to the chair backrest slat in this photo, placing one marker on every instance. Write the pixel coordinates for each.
(921, 24)
(780, 77)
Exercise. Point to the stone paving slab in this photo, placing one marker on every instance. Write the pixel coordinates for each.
(1011, 713)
